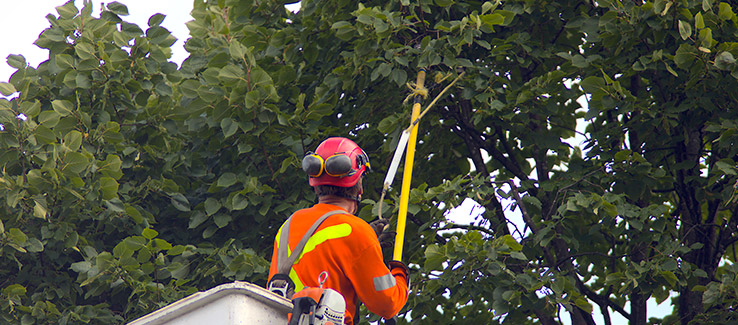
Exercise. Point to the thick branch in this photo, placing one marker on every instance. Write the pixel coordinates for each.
(506, 145)
(529, 221)
(600, 300)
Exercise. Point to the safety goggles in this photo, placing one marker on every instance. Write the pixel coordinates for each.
(337, 165)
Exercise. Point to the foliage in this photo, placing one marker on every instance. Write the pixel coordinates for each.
(129, 182)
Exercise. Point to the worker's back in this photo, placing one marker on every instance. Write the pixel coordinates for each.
(347, 248)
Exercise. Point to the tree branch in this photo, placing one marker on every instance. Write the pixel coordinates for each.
(600, 300)
(468, 227)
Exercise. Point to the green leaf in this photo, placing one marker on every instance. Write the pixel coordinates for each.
(239, 202)
(17, 61)
(82, 81)
(178, 270)
(259, 77)
(670, 69)
(610, 209)
(34, 245)
(84, 50)
(670, 278)
(230, 74)
(75, 162)
(699, 22)
(81, 267)
(136, 242)
(383, 70)
(579, 61)
(317, 112)
(237, 50)
(180, 202)
(707, 5)
(16, 236)
(227, 179)
(685, 56)
(222, 220)
(73, 140)
(49, 118)
(512, 243)
(31, 108)
(6, 89)
(685, 30)
(592, 84)
(156, 19)
(229, 127)
(725, 12)
(209, 232)
(669, 265)
(518, 255)
(711, 295)
(62, 107)
(212, 206)
(109, 188)
(583, 304)
(118, 8)
(444, 3)
(14, 290)
(399, 76)
(134, 214)
(197, 219)
(705, 36)
(491, 20)
(488, 6)
(162, 244)
(724, 60)
(64, 61)
(68, 10)
(176, 250)
(149, 233)
(111, 166)
(251, 99)
(434, 257)
(39, 209)
(122, 250)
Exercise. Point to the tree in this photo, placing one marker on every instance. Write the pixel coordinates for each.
(134, 182)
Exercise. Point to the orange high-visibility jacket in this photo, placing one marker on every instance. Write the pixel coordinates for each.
(347, 248)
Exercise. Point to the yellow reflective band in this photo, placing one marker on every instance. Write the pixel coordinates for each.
(296, 280)
(319, 237)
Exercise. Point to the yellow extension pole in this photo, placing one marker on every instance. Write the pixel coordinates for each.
(408, 171)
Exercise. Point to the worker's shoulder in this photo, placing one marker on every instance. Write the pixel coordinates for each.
(348, 218)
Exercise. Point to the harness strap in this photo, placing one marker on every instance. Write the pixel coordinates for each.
(285, 260)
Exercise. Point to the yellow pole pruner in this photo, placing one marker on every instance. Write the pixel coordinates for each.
(408, 138)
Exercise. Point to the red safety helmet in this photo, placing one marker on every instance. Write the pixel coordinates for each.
(337, 161)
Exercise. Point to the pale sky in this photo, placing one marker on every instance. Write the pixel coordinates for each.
(22, 22)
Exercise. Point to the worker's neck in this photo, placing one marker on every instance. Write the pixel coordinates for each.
(349, 205)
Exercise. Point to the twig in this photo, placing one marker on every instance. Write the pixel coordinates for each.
(523, 209)
(468, 227)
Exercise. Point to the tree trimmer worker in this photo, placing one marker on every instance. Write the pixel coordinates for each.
(343, 245)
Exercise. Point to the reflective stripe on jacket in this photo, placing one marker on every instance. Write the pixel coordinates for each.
(347, 248)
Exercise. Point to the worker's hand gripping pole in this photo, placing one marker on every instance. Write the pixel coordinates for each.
(408, 171)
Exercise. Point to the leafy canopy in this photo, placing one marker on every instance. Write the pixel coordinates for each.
(129, 182)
